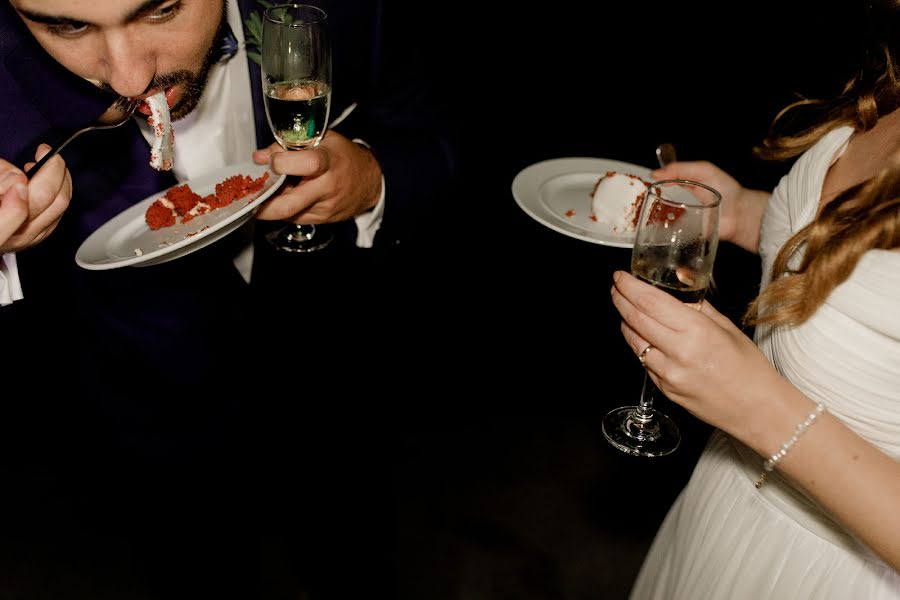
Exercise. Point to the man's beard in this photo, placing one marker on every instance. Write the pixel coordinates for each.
(194, 85)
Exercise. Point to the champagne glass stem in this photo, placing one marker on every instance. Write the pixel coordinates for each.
(645, 405)
(643, 426)
(642, 430)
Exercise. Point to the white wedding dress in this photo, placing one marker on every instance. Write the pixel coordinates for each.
(723, 538)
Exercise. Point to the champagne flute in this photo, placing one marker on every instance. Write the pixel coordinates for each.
(296, 85)
(674, 250)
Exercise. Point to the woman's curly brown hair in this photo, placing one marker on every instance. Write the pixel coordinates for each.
(861, 218)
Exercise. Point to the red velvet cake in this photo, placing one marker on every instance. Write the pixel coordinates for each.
(181, 203)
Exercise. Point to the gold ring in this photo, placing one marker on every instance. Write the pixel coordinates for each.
(643, 355)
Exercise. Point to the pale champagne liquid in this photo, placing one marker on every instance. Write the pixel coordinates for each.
(298, 112)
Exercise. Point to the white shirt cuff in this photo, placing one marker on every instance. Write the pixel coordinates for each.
(10, 286)
(367, 224)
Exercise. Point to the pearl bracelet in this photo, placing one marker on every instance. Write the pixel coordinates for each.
(770, 464)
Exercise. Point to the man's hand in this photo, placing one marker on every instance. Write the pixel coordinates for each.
(31, 209)
(340, 179)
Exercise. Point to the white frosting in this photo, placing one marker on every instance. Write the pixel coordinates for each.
(201, 208)
(616, 200)
(162, 154)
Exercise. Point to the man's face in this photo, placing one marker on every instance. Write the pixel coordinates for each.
(131, 47)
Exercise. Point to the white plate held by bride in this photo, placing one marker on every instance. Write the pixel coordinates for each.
(126, 240)
(557, 193)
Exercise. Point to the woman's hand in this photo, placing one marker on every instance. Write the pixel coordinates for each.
(699, 359)
(741, 208)
(340, 179)
(44, 199)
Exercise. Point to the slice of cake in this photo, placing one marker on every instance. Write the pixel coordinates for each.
(616, 200)
(181, 203)
(162, 154)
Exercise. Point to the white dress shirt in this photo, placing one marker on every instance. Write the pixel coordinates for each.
(10, 288)
(219, 132)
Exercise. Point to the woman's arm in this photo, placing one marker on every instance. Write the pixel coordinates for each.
(702, 361)
(852, 479)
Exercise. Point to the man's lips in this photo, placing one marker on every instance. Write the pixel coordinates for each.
(144, 108)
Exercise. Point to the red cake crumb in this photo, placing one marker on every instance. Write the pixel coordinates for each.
(237, 186)
(183, 198)
(660, 213)
(159, 216)
(181, 201)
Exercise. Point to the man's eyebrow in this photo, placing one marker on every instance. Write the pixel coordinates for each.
(145, 7)
(48, 19)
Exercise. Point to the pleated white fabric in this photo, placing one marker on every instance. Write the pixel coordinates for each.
(723, 538)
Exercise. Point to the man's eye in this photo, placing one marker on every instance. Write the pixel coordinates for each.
(67, 29)
(165, 13)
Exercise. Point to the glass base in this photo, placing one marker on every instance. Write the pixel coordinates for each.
(654, 435)
(300, 238)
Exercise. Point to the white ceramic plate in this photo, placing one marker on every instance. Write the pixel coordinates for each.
(126, 240)
(557, 193)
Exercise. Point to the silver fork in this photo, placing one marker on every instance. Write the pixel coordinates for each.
(119, 112)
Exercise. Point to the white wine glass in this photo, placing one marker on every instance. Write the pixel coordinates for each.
(296, 85)
(674, 250)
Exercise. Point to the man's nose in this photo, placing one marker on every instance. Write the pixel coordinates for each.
(131, 64)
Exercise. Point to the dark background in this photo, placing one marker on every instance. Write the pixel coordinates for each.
(467, 462)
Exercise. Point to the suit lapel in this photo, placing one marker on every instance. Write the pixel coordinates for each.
(264, 136)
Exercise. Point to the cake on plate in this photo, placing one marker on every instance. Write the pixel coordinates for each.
(181, 203)
(616, 200)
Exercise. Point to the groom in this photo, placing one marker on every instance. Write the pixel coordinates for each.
(166, 365)
(176, 326)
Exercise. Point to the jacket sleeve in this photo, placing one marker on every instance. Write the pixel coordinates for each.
(402, 116)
